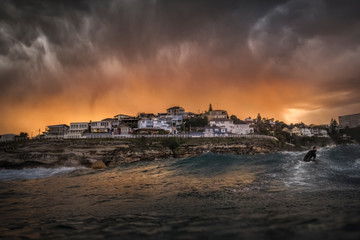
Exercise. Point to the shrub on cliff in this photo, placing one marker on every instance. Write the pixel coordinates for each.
(172, 143)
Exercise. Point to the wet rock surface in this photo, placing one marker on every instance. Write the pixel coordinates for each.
(51, 153)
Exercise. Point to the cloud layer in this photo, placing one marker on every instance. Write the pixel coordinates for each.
(62, 61)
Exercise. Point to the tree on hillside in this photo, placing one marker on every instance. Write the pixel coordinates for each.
(334, 128)
(195, 122)
(262, 125)
(300, 125)
(334, 131)
(210, 108)
(279, 133)
(23, 135)
(236, 120)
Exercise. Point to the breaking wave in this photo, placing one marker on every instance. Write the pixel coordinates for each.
(32, 173)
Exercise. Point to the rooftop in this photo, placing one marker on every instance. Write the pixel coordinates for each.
(218, 110)
(108, 119)
(175, 108)
(221, 120)
(211, 127)
(58, 125)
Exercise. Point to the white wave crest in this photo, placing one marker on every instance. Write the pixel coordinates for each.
(32, 173)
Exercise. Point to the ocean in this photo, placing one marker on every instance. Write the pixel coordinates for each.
(211, 196)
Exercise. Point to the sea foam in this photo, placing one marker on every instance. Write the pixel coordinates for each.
(32, 173)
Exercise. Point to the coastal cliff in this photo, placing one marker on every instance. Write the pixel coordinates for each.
(111, 152)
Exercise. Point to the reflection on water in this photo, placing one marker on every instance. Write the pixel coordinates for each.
(207, 197)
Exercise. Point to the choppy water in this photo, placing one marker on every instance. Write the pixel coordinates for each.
(211, 196)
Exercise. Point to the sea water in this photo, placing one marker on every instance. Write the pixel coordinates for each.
(211, 196)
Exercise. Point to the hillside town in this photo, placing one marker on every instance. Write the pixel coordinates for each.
(177, 122)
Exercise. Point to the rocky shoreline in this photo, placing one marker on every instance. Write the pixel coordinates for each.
(99, 153)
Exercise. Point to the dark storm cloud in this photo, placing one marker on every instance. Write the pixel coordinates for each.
(79, 32)
(316, 42)
(48, 47)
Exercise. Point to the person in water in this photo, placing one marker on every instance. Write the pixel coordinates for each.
(311, 155)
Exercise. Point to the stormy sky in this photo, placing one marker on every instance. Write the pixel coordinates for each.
(67, 61)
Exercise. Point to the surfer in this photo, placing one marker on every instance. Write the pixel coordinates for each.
(311, 155)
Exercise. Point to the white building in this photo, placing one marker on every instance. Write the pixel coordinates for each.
(7, 137)
(56, 131)
(323, 132)
(319, 132)
(101, 126)
(285, 129)
(231, 127)
(350, 121)
(296, 131)
(314, 131)
(176, 110)
(221, 122)
(306, 132)
(122, 131)
(77, 130)
(241, 129)
(155, 123)
(214, 131)
(162, 124)
(176, 122)
(145, 123)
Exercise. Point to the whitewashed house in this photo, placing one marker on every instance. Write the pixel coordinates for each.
(215, 131)
(285, 129)
(241, 129)
(323, 132)
(155, 123)
(176, 122)
(7, 137)
(121, 131)
(101, 126)
(176, 110)
(77, 130)
(314, 131)
(221, 122)
(145, 123)
(231, 127)
(296, 131)
(320, 132)
(306, 132)
(56, 131)
(162, 124)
